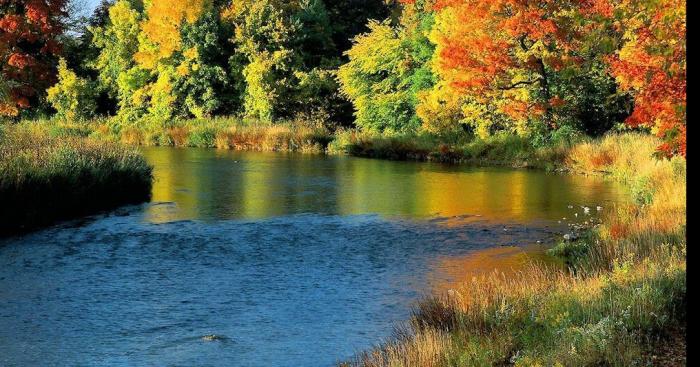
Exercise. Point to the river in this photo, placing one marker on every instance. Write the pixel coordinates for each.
(270, 259)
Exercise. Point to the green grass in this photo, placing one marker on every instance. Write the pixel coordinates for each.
(49, 174)
(625, 290)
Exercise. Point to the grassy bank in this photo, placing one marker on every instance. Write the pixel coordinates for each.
(222, 133)
(306, 136)
(624, 293)
(46, 175)
(309, 136)
(500, 150)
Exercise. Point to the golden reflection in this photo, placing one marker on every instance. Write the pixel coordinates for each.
(451, 272)
(213, 184)
(257, 188)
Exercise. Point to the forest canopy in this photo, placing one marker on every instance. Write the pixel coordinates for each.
(533, 68)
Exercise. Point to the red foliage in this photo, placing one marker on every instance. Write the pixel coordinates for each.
(491, 41)
(28, 47)
(478, 53)
(652, 65)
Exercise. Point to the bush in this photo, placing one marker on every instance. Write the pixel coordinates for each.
(72, 97)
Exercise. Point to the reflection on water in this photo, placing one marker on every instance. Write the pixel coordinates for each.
(215, 184)
(450, 272)
(290, 260)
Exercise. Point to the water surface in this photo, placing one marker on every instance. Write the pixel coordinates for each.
(290, 260)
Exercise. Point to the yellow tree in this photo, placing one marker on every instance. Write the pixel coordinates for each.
(161, 36)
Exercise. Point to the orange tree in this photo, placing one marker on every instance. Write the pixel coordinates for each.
(651, 63)
(523, 66)
(29, 45)
(500, 55)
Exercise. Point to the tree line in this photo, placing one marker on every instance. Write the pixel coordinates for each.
(532, 68)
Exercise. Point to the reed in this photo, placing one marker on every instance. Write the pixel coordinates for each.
(48, 175)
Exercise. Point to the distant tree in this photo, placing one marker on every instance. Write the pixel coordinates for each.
(29, 49)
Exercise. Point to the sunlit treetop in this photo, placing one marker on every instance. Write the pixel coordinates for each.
(161, 30)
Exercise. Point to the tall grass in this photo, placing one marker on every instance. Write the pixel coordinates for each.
(223, 133)
(625, 290)
(501, 149)
(47, 175)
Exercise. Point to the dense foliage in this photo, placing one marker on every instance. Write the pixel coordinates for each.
(29, 43)
(538, 69)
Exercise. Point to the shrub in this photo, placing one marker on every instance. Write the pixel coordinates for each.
(72, 97)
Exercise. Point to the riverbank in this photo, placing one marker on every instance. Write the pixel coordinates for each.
(313, 137)
(221, 133)
(624, 294)
(501, 150)
(46, 176)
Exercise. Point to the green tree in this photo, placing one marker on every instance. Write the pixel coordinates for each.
(72, 97)
(264, 32)
(118, 74)
(388, 70)
(202, 84)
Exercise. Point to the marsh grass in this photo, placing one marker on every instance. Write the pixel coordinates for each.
(626, 286)
(49, 173)
(222, 133)
(502, 149)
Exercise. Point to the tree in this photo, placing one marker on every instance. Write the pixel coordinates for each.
(350, 18)
(501, 57)
(388, 70)
(72, 97)
(651, 63)
(287, 57)
(29, 49)
(202, 80)
(118, 74)
(161, 29)
(374, 79)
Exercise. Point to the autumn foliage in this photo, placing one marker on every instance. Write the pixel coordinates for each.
(536, 68)
(652, 64)
(501, 57)
(29, 31)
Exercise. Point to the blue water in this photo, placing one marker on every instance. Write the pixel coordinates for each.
(288, 260)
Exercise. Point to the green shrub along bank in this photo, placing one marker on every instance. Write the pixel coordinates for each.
(46, 176)
(500, 149)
